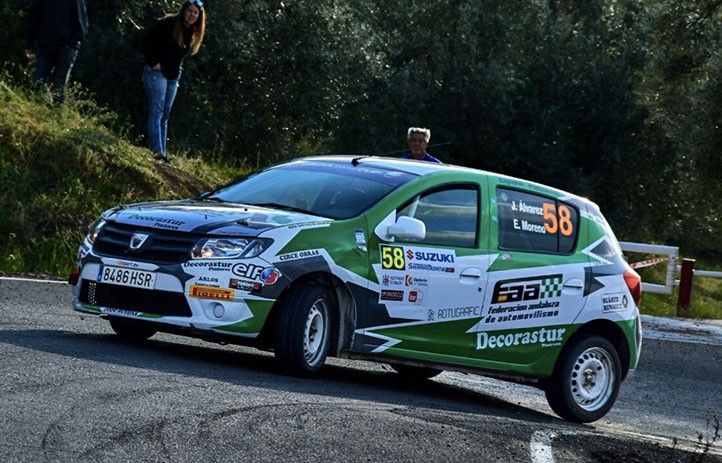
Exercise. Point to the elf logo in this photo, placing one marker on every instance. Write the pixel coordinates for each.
(527, 289)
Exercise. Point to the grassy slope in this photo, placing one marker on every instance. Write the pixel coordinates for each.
(61, 167)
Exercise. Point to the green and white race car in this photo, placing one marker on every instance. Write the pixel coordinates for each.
(424, 266)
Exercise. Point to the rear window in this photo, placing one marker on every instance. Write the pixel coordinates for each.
(535, 223)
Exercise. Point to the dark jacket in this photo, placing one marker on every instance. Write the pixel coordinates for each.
(54, 24)
(159, 46)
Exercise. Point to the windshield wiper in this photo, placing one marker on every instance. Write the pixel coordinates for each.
(214, 199)
(284, 207)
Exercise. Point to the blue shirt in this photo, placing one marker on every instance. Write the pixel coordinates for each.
(427, 157)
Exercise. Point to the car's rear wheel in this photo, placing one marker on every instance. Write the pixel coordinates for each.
(414, 372)
(131, 330)
(586, 380)
(303, 330)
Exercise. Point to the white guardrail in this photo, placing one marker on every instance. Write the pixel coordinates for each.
(672, 253)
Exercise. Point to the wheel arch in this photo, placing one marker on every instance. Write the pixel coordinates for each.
(344, 313)
(612, 333)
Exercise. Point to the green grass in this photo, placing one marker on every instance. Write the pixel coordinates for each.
(705, 300)
(61, 167)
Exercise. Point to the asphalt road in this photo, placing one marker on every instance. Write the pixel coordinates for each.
(72, 391)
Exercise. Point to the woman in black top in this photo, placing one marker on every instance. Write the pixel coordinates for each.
(165, 46)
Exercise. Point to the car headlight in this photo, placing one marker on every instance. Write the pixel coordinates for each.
(229, 248)
(94, 229)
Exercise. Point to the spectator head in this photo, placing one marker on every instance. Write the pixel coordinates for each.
(421, 130)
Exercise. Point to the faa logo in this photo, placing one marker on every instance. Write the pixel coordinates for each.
(270, 275)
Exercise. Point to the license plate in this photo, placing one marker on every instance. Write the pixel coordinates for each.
(126, 277)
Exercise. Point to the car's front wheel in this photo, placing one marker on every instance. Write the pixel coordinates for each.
(131, 330)
(303, 330)
(586, 380)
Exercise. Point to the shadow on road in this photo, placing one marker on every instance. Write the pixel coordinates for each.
(357, 380)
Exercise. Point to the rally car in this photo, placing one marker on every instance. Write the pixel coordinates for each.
(424, 266)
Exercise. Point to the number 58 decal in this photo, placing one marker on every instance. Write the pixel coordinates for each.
(392, 257)
(557, 219)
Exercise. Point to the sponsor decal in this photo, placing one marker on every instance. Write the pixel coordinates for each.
(270, 275)
(522, 316)
(395, 258)
(614, 301)
(125, 263)
(210, 292)
(429, 256)
(299, 255)
(208, 279)
(244, 285)
(110, 310)
(267, 275)
(361, 241)
(416, 296)
(392, 280)
(527, 289)
(544, 337)
(392, 295)
(250, 271)
(430, 268)
(416, 281)
(214, 266)
(458, 312)
(512, 297)
(319, 223)
(158, 222)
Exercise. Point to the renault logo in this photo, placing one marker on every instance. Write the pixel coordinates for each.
(137, 240)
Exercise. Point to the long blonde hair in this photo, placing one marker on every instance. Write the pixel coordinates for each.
(199, 27)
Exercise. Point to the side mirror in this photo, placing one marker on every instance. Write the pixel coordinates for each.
(407, 229)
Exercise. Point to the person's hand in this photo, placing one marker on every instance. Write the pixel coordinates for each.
(29, 54)
(156, 67)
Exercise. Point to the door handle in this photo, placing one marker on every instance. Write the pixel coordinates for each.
(574, 283)
(472, 273)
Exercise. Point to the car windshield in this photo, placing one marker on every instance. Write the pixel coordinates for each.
(335, 190)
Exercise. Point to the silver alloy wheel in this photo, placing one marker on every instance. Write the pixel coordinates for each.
(315, 332)
(592, 379)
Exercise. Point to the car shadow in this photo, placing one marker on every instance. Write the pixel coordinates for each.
(250, 367)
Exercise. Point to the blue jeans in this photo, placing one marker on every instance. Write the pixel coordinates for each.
(161, 93)
(54, 67)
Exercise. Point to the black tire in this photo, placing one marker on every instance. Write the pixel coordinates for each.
(303, 330)
(586, 380)
(132, 330)
(414, 372)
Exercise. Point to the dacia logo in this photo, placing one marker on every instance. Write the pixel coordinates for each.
(527, 289)
(137, 240)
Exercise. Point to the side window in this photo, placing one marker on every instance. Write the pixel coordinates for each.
(451, 215)
(529, 222)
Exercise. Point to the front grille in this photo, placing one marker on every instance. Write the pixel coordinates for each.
(134, 299)
(161, 247)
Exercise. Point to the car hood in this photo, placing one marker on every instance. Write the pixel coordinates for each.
(208, 218)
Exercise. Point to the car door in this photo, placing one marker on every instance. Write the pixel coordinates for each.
(536, 281)
(430, 290)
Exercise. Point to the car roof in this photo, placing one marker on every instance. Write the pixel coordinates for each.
(404, 165)
(423, 168)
